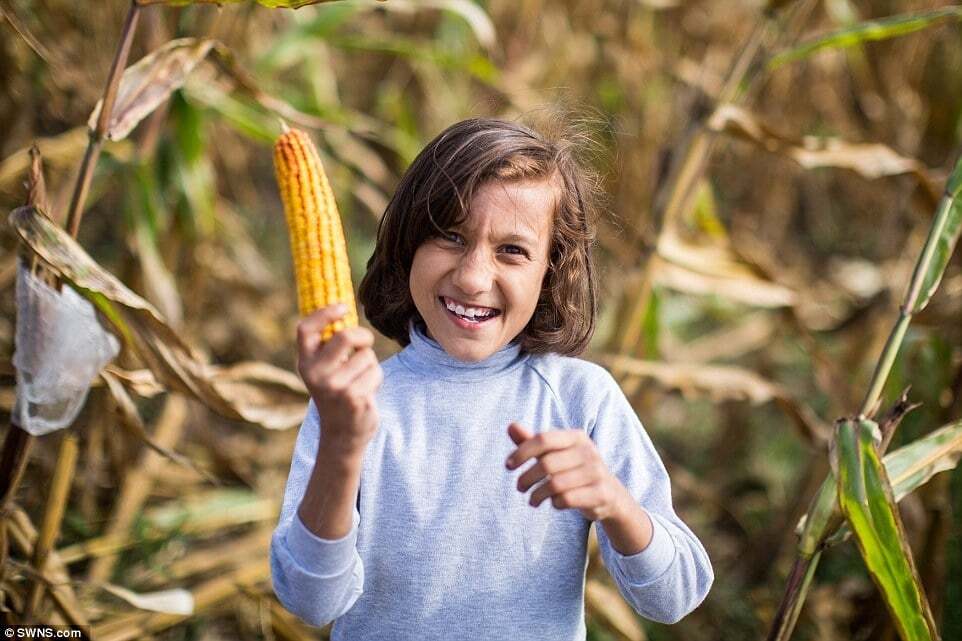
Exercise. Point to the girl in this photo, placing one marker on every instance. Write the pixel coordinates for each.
(405, 515)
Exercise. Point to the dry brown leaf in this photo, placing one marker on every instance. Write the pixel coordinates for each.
(173, 601)
(719, 383)
(748, 335)
(59, 152)
(871, 160)
(140, 381)
(254, 392)
(159, 285)
(130, 419)
(149, 82)
(24, 535)
(206, 595)
(714, 269)
(751, 291)
(200, 513)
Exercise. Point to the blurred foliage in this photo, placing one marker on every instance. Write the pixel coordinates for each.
(194, 187)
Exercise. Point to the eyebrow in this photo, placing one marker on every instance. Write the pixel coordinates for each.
(519, 237)
(509, 237)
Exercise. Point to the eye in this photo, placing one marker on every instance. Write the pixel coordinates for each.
(450, 236)
(521, 251)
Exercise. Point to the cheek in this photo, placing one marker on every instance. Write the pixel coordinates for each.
(417, 280)
(427, 268)
(526, 290)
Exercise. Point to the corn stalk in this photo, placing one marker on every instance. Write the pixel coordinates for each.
(824, 517)
(17, 444)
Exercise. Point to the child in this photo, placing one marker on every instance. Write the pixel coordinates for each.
(404, 515)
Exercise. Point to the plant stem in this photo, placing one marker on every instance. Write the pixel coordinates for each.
(915, 301)
(912, 302)
(885, 362)
(16, 446)
(53, 516)
(13, 461)
(796, 590)
(86, 174)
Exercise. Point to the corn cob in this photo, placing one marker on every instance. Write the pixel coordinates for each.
(321, 267)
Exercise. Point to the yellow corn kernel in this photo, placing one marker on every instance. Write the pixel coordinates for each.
(321, 265)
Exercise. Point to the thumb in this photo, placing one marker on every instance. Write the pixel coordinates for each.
(518, 433)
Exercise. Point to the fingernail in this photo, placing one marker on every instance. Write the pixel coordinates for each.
(510, 462)
(341, 308)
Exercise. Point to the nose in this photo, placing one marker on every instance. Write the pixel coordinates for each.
(473, 274)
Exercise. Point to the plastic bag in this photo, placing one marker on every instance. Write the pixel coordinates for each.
(60, 347)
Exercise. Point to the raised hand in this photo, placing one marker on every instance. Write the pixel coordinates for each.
(577, 477)
(342, 376)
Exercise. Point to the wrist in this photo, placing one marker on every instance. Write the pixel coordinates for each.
(337, 454)
(629, 528)
(623, 507)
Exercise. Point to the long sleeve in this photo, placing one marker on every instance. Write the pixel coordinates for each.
(316, 579)
(669, 578)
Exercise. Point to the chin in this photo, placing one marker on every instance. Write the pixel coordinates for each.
(469, 355)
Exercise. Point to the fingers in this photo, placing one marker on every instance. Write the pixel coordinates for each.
(330, 377)
(334, 353)
(310, 328)
(590, 499)
(361, 360)
(518, 433)
(543, 443)
(369, 380)
(551, 463)
(343, 343)
(561, 483)
(568, 470)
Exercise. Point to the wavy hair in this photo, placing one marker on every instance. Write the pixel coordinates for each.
(435, 194)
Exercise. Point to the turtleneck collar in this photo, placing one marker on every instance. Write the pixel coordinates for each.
(424, 355)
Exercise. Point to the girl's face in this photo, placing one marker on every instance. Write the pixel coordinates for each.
(495, 262)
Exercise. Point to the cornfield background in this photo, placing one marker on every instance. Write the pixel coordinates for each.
(772, 172)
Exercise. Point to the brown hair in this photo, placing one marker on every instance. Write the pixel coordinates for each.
(434, 195)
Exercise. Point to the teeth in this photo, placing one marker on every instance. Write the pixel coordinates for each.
(470, 312)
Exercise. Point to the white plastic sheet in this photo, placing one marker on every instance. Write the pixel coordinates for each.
(60, 347)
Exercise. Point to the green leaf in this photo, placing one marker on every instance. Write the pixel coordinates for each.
(193, 171)
(821, 520)
(477, 65)
(869, 30)
(144, 204)
(295, 43)
(943, 236)
(908, 468)
(866, 499)
(243, 117)
(651, 325)
(912, 465)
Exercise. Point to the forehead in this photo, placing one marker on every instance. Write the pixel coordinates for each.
(523, 207)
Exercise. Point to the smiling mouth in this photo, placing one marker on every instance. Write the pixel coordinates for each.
(476, 320)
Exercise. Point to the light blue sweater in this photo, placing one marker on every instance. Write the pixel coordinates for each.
(443, 545)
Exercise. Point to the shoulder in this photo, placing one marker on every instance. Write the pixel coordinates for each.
(581, 385)
(572, 373)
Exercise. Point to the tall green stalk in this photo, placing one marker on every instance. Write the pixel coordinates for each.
(824, 517)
